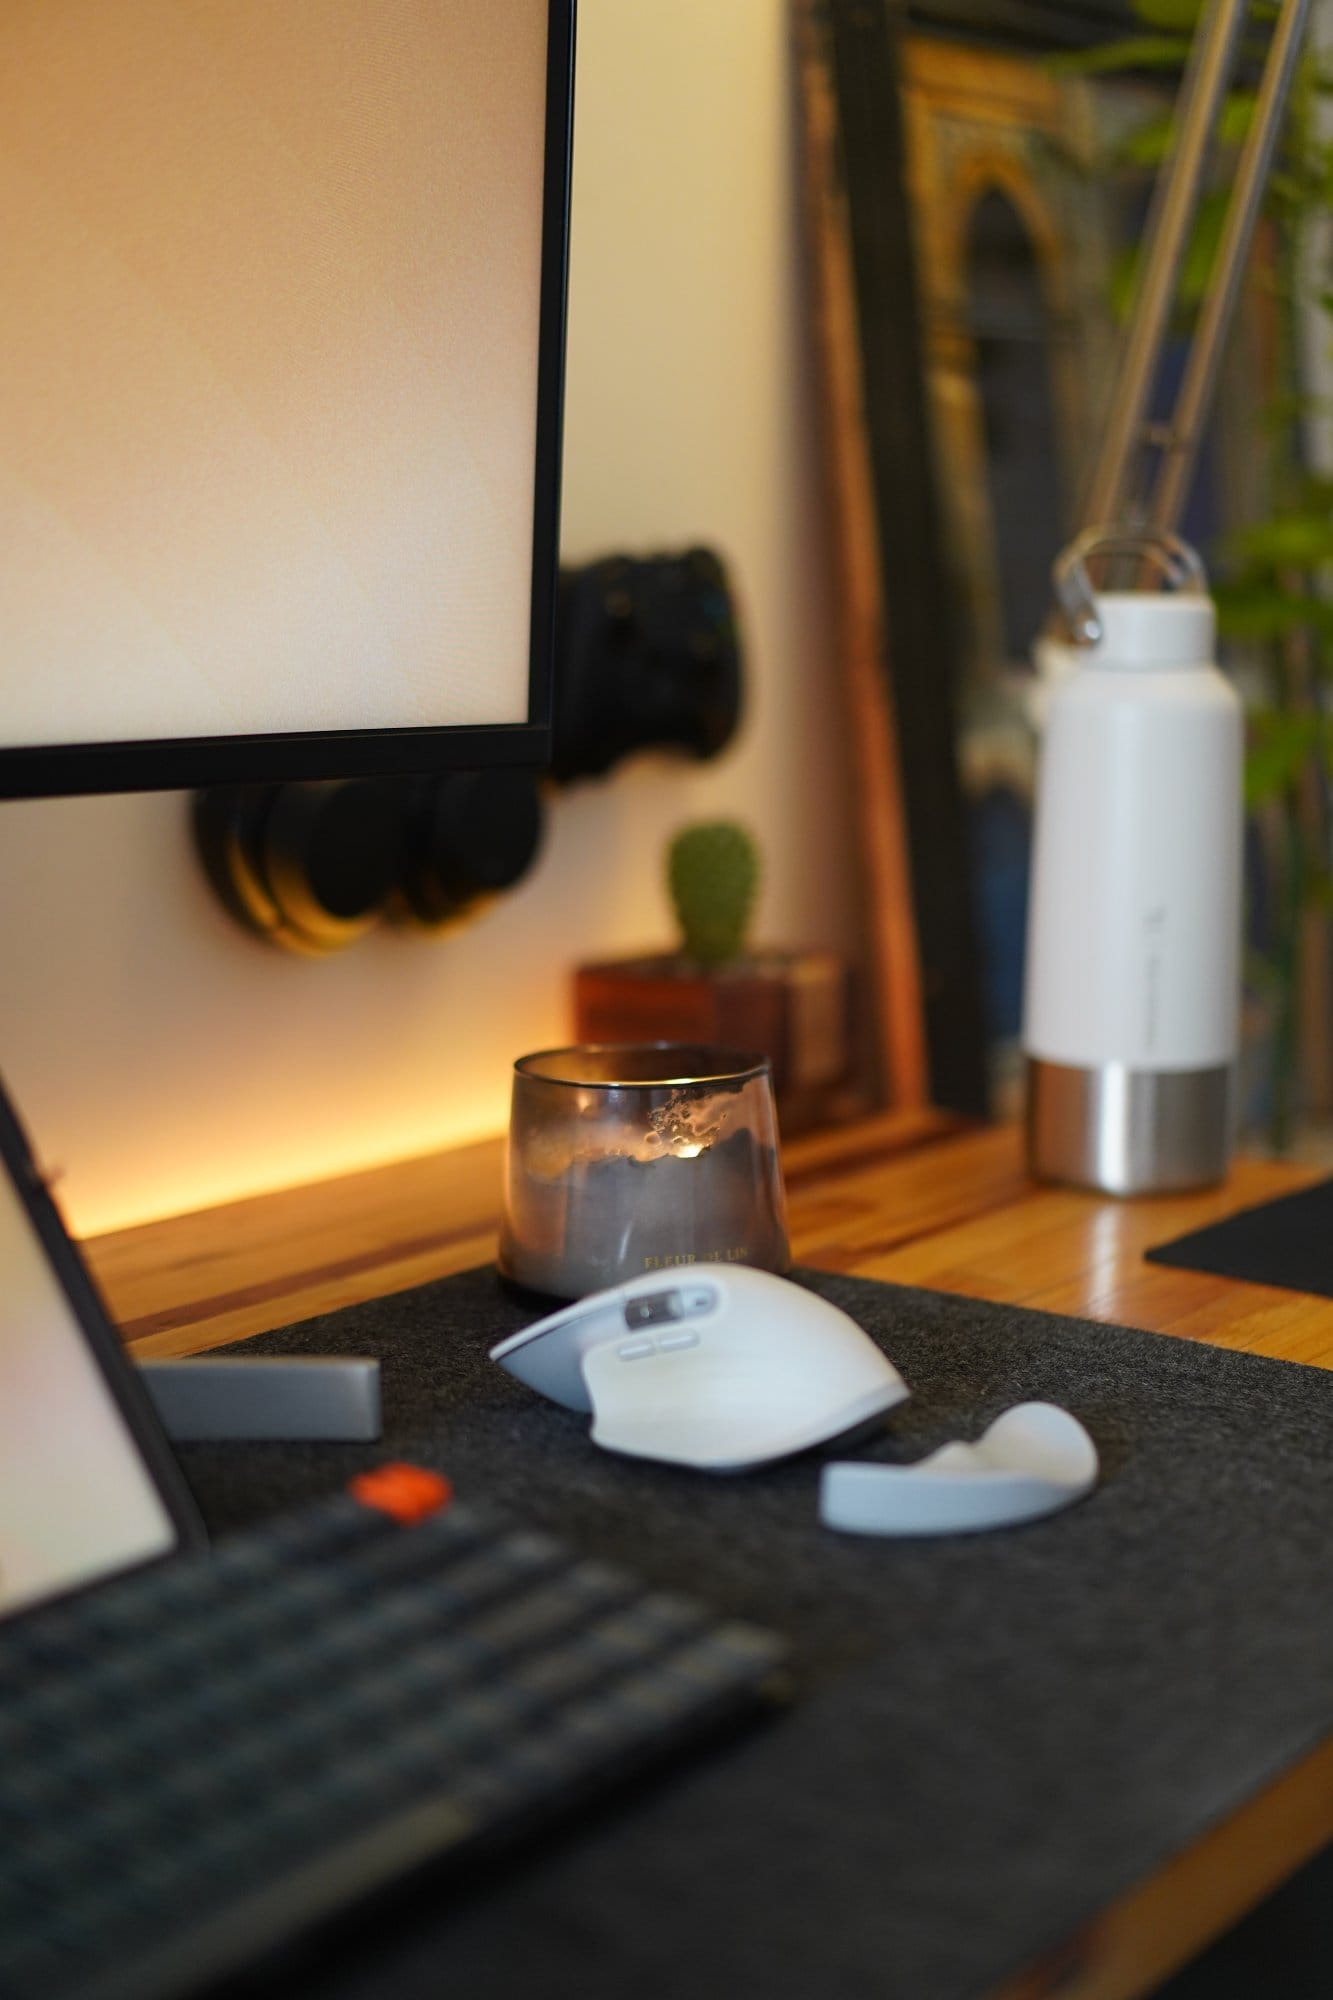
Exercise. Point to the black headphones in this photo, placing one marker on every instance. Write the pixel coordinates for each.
(647, 655)
(312, 867)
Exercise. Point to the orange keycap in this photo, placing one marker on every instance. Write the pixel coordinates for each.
(407, 1492)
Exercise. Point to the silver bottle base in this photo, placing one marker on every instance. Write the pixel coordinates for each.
(1128, 1131)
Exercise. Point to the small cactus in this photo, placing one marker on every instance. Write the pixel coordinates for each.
(713, 875)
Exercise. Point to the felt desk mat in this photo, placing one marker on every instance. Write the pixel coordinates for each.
(994, 1736)
(1287, 1242)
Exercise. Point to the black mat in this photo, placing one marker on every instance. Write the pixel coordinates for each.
(996, 1735)
(1288, 1242)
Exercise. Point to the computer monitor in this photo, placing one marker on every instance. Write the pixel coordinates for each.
(281, 351)
(281, 360)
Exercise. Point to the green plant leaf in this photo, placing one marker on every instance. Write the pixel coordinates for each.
(1287, 190)
(1201, 250)
(1233, 126)
(1149, 143)
(1196, 267)
(1172, 16)
(1262, 611)
(1316, 492)
(1286, 406)
(1129, 52)
(1295, 540)
(1281, 744)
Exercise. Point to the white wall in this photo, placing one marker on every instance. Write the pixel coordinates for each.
(164, 1060)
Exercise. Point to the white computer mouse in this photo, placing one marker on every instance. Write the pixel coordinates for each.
(720, 1367)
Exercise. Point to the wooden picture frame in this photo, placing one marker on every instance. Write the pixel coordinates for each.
(899, 640)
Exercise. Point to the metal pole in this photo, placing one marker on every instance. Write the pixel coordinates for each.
(1172, 213)
(1181, 445)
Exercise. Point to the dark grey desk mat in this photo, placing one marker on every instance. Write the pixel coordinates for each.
(996, 1736)
(1287, 1242)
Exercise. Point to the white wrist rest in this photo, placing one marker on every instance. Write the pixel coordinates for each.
(1033, 1460)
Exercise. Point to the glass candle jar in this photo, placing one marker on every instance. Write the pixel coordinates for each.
(651, 1157)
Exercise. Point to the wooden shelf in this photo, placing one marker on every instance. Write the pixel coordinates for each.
(915, 1197)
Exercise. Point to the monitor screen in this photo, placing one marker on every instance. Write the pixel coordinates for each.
(280, 337)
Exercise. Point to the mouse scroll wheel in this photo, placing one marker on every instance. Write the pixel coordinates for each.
(653, 1308)
(659, 1308)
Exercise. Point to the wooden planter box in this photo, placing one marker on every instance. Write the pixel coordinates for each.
(792, 1006)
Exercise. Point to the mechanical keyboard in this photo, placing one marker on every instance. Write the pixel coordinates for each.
(205, 1757)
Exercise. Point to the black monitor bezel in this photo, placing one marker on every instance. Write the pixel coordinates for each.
(117, 1371)
(178, 763)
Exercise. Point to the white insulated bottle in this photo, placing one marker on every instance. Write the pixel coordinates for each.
(1132, 1000)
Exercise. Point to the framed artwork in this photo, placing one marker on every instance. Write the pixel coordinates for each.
(965, 235)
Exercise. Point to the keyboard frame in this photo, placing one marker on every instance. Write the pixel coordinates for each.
(302, 1905)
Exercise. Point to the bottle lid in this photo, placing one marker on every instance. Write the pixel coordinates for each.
(1171, 627)
(1153, 628)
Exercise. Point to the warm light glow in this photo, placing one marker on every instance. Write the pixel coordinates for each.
(148, 1190)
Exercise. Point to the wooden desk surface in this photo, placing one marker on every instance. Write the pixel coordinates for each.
(911, 1198)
